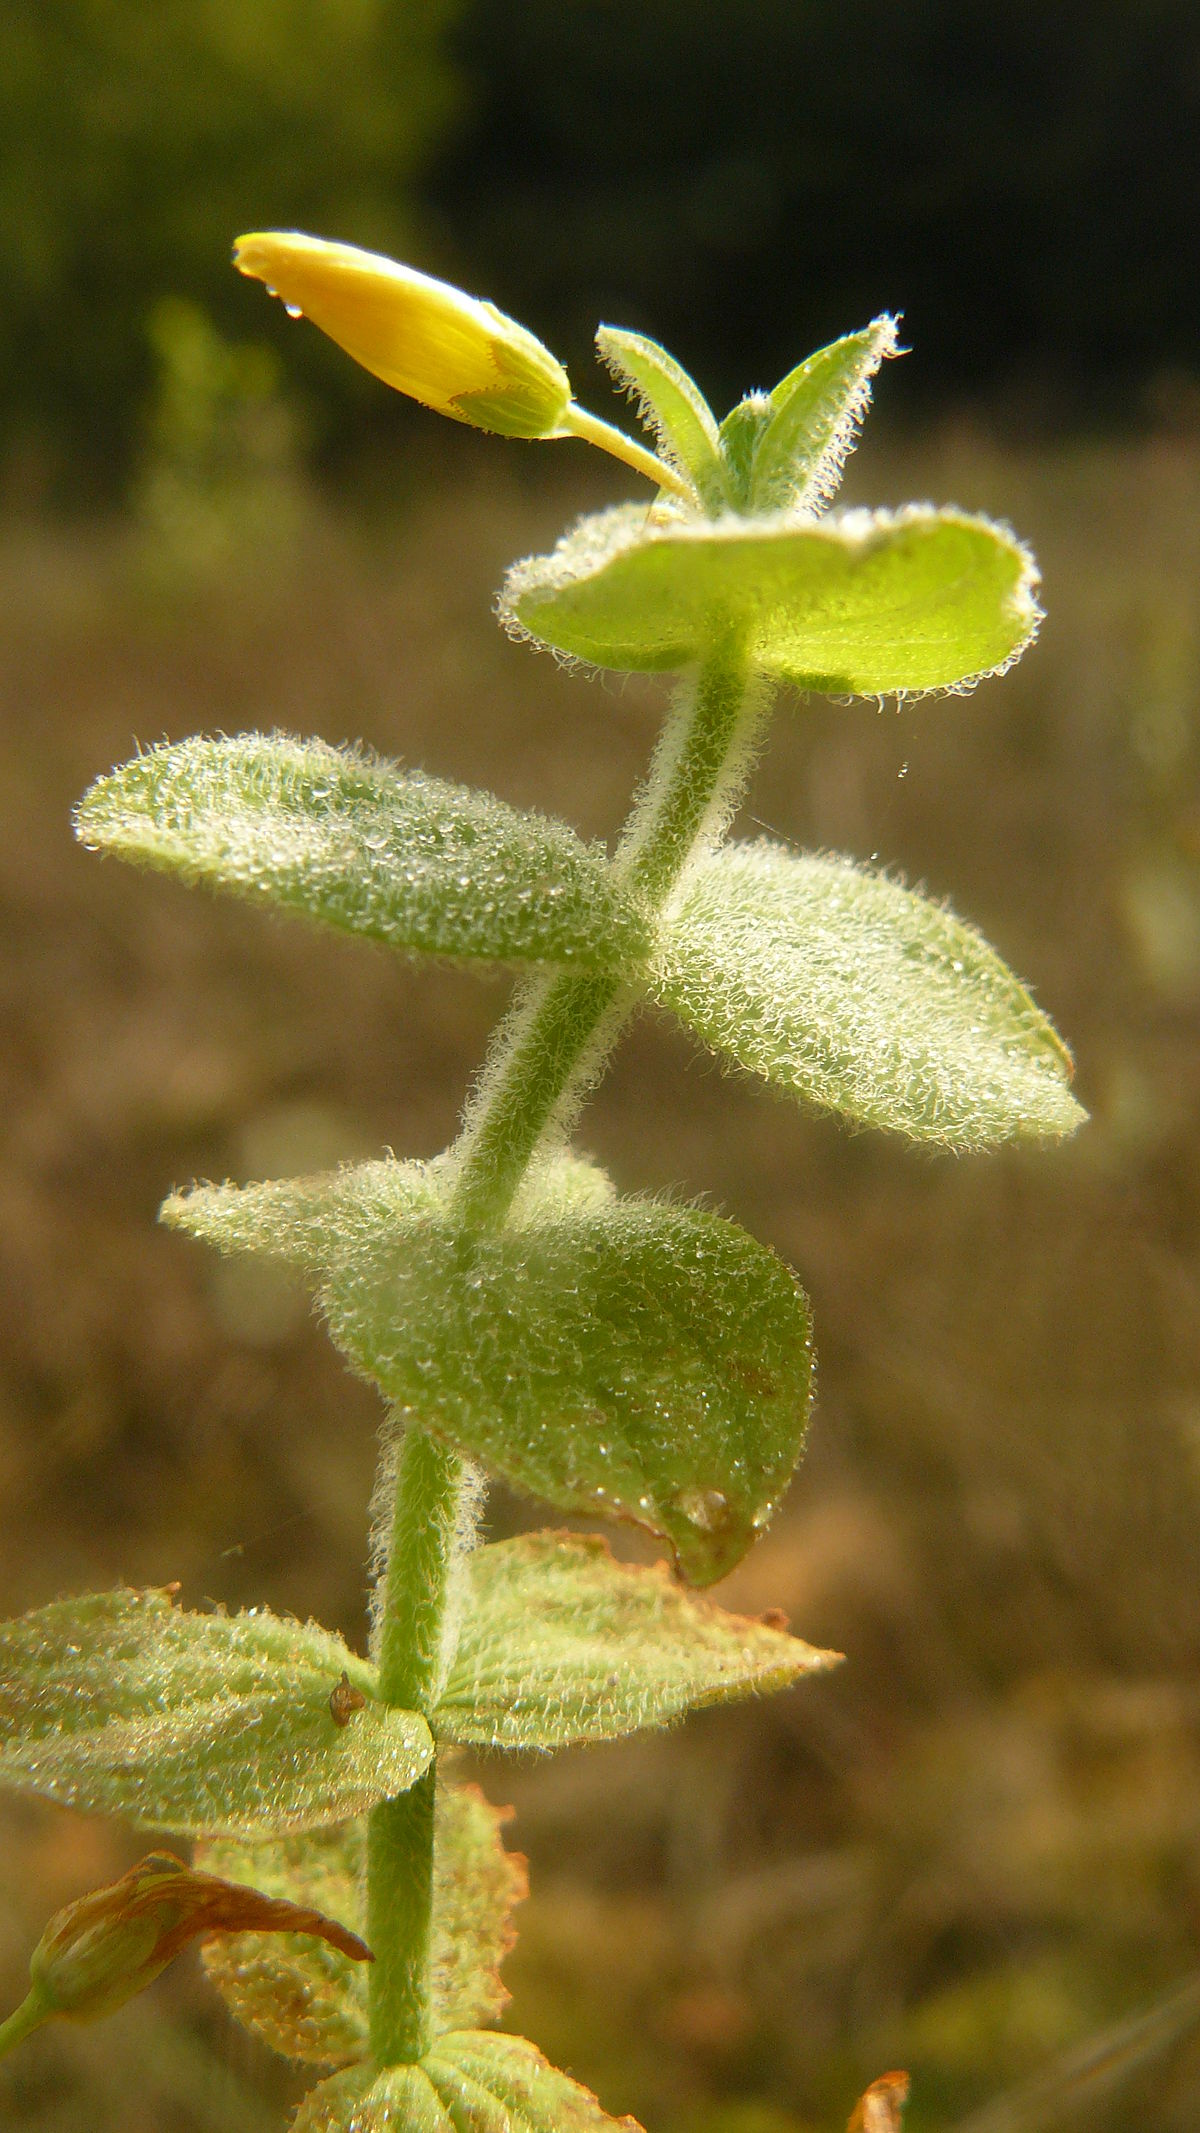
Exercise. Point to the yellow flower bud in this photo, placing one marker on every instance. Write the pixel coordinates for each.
(453, 353)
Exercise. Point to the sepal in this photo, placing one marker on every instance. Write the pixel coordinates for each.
(100, 1951)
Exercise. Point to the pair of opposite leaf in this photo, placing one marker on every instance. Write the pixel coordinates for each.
(225, 1727)
(236, 1725)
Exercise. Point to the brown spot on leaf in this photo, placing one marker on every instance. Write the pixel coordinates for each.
(344, 1701)
(754, 1378)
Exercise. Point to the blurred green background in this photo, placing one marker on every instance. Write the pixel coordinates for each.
(975, 1850)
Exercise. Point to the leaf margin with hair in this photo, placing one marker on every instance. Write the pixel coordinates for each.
(605, 1648)
(779, 960)
(308, 1222)
(144, 1743)
(347, 839)
(671, 405)
(816, 413)
(937, 599)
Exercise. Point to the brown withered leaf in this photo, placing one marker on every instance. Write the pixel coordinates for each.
(186, 1905)
(212, 1905)
(879, 2110)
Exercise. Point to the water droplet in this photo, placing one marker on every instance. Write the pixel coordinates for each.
(706, 1508)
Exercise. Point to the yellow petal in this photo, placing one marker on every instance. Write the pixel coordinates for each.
(457, 355)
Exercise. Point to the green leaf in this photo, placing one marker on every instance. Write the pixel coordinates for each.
(473, 2081)
(637, 1360)
(860, 996)
(313, 1222)
(738, 438)
(320, 1221)
(815, 415)
(425, 867)
(672, 405)
(121, 1703)
(560, 1643)
(860, 603)
(307, 2001)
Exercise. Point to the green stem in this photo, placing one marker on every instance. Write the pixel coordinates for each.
(577, 422)
(546, 1055)
(432, 1483)
(29, 2016)
(552, 1047)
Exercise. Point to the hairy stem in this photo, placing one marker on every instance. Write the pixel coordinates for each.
(547, 1054)
(553, 1045)
(431, 1483)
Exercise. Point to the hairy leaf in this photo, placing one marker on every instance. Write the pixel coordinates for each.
(628, 1358)
(338, 1216)
(425, 867)
(859, 603)
(477, 1885)
(639, 1361)
(122, 1703)
(301, 1997)
(860, 996)
(317, 1222)
(561, 1643)
(738, 435)
(309, 2003)
(473, 2081)
(815, 414)
(672, 405)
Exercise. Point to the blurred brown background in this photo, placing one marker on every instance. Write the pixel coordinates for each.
(975, 1850)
